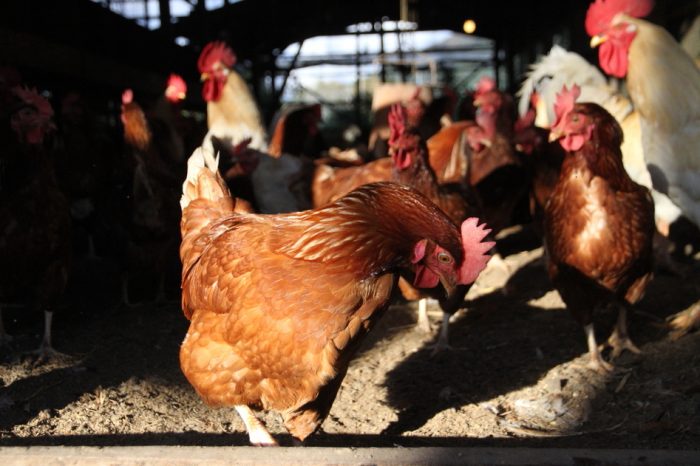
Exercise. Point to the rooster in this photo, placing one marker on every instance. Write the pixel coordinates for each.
(278, 304)
(664, 86)
(35, 239)
(234, 117)
(598, 224)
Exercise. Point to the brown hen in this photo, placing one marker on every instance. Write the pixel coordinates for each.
(598, 225)
(35, 239)
(279, 303)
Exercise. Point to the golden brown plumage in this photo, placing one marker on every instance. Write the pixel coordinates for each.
(330, 183)
(599, 225)
(279, 303)
(446, 152)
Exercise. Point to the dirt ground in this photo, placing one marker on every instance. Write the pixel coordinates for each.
(516, 375)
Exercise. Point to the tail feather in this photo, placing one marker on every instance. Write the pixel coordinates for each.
(203, 180)
(205, 199)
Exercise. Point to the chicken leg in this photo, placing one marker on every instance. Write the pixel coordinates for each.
(596, 362)
(257, 433)
(619, 339)
(443, 342)
(46, 351)
(423, 323)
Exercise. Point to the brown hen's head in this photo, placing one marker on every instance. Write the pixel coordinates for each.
(176, 89)
(608, 29)
(215, 63)
(433, 264)
(403, 140)
(32, 120)
(485, 84)
(577, 124)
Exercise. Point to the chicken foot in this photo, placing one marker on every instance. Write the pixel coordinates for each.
(46, 351)
(597, 363)
(619, 340)
(684, 321)
(257, 433)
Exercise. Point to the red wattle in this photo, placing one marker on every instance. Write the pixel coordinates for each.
(613, 58)
(425, 278)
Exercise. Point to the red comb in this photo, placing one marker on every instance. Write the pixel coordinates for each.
(397, 123)
(175, 81)
(474, 249)
(566, 99)
(36, 100)
(485, 84)
(127, 97)
(601, 12)
(216, 51)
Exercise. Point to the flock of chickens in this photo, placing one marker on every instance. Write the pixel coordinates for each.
(279, 301)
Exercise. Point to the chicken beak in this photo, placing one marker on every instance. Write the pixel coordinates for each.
(478, 102)
(485, 142)
(555, 134)
(597, 40)
(204, 77)
(181, 96)
(449, 285)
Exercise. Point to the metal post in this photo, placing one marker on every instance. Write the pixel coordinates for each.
(165, 18)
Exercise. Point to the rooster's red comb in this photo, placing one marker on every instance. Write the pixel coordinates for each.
(475, 250)
(127, 96)
(213, 52)
(566, 99)
(36, 100)
(601, 12)
(397, 123)
(485, 84)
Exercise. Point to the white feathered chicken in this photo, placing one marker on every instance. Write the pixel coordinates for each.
(664, 85)
(233, 117)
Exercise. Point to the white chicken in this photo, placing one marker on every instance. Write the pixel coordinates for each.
(664, 85)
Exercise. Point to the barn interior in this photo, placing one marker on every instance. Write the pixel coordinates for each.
(513, 376)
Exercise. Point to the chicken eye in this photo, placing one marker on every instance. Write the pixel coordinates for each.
(444, 258)
(574, 118)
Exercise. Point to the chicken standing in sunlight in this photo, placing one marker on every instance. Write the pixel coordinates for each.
(280, 303)
(598, 223)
